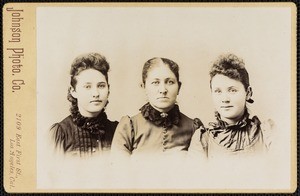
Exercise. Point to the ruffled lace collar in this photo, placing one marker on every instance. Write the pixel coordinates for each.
(237, 136)
(161, 119)
(95, 125)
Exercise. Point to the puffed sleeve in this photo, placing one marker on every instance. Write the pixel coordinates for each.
(123, 139)
(199, 144)
(57, 137)
(197, 124)
(268, 131)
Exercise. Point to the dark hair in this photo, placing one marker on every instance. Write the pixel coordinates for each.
(231, 66)
(83, 62)
(156, 60)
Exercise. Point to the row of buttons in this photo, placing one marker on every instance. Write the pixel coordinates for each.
(164, 139)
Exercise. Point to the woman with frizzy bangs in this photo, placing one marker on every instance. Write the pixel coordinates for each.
(160, 128)
(86, 131)
(235, 131)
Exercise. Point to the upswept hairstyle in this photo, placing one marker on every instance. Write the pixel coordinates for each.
(233, 67)
(83, 62)
(156, 60)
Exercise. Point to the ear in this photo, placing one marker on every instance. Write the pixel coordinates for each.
(142, 85)
(249, 93)
(108, 90)
(73, 92)
(179, 87)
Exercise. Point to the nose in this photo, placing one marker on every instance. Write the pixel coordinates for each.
(162, 88)
(96, 92)
(225, 98)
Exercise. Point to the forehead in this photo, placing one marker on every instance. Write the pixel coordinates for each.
(222, 81)
(160, 70)
(90, 75)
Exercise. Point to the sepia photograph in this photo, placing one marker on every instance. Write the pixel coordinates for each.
(165, 97)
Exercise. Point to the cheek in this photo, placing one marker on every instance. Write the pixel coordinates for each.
(216, 99)
(104, 93)
(82, 95)
(150, 91)
(174, 89)
(240, 99)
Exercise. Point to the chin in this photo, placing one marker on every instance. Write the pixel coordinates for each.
(226, 115)
(165, 108)
(96, 110)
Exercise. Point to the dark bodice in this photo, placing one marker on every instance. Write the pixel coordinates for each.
(153, 132)
(87, 136)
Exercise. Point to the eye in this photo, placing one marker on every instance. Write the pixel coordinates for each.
(102, 85)
(232, 90)
(87, 86)
(155, 82)
(217, 91)
(171, 82)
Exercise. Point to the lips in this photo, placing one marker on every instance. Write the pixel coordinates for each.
(96, 101)
(163, 98)
(226, 107)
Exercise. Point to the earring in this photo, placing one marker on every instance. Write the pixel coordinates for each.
(250, 100)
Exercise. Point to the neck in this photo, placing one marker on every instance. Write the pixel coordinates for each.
(163, 110)
(232, 121)
(88, 114)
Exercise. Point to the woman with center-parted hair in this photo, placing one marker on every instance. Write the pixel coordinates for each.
(160, 127)
(87, 131)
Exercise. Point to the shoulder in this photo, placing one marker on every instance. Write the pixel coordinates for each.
(184, 117)
(199, 143)
(137, 117)
(138, 120)
(124, 124)
(266, 126)
(112, 124)
(268, 130)
(196, 123)
(62, 128)
(65, 122)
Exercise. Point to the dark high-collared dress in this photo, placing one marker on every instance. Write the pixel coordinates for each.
(151, 131)
(80, 136)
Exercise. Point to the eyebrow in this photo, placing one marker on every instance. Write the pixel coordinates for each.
(164, 79)
(92, 82)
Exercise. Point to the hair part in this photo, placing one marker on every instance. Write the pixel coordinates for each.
(157, 60)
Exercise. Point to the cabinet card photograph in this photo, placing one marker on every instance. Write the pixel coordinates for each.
(150, 97)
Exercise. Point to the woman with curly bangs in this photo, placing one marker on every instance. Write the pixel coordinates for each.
(87, 131)
(235, 131)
